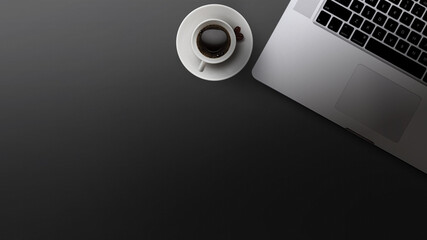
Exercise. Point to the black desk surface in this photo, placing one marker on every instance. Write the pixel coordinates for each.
(105, 135)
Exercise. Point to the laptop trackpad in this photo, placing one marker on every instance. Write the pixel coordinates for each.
(378, 103)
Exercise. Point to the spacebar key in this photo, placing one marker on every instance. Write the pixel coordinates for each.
(395, 58)
(337, 10)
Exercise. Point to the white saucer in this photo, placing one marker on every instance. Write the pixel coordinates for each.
(223, 70)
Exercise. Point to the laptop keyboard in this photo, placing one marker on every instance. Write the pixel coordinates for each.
(393, 30)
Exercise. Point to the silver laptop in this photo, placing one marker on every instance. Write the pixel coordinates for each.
(361, 64)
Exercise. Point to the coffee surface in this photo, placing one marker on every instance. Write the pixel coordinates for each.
(213, 41)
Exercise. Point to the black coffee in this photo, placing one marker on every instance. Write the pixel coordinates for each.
(213, 41)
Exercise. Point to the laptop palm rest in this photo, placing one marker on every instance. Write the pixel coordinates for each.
(378, 103)
(306, 8)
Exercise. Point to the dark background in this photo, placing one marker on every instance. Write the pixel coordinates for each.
(105, 135)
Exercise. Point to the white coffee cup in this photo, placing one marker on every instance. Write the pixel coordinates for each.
(207, 60)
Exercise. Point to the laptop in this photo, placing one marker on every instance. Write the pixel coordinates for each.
(361, 64)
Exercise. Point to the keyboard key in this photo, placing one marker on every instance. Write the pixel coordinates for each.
(414, 38)
(391, 25)
(344, 2)
(406, 19)
(368, 27)
(414, 52)
(359, 38)
(346, 30)
(423, 44)
(335, 24)
(323, 18)
(418, 10)
(424, 2)
(372, 2)
(395, 1)
(357, 6)
(383, 6)
(379, 33)
(337, 10)
(390, 40)
(380, 18)
(418, 25)
(402, 46)
(368, 12)
(423, 59)
(356, 20)
(402, 31)
(425, 31)
(407, 4)
(395, 58)
(395, 12)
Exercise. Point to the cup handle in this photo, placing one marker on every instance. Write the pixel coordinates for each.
(202, 66)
